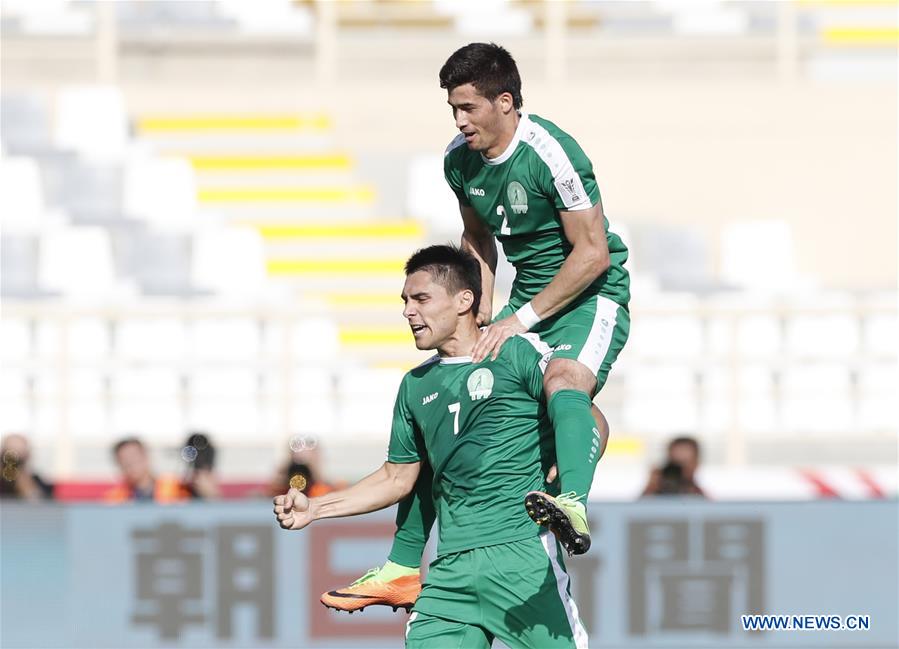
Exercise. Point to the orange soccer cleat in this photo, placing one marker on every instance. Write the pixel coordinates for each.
(391, 585)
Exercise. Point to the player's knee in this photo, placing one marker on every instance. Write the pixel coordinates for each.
(566, 374)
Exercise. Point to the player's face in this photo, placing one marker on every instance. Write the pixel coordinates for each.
(430, 310)
(478, 118)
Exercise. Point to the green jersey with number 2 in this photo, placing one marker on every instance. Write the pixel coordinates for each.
(519, 195)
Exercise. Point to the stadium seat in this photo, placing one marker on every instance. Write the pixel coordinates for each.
(230, 338)
(315, 339)
(162, 264)
(660, 399)
(26, 123)
(739, 261)
(823, 335)
(229, 261)
(816, 398)
(161, 383)
(428, 197)
(675, 335)
(89, 192)
(878, 384)
(223, 384)
(19, 268)
(173, 209)
(88, 340)
(233, 420)
(21, 200)
(272, 17)
(158, 419)
(78, 262)
(50, 17)
(91, 120)
(15, 339)
(879, 334)
(161, 339)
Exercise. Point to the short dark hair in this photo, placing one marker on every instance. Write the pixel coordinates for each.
(685, 439)
(451, 267)
(488, 67)
(122, 443)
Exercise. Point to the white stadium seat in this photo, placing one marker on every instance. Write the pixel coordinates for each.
(158, 338)
(229, 261)
(226, 338)
(162, 191)
(237, 419)
(15, 340)
(91, 121)
(822, 335)
(135, 384)
(315, 339)
(224, 384)
(816, 398)
(22, 208)
(78, 262)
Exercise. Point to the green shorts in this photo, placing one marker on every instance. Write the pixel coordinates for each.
(593, 333)
(518, 592)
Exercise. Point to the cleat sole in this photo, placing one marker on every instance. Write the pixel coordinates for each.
(546, 513)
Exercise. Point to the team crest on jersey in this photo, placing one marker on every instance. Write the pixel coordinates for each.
(480, 384)
(518, 198)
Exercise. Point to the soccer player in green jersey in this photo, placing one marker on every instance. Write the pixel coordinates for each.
(524, 182)
(483, 428)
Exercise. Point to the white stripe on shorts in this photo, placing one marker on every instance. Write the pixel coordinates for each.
(578, 632)
(600, 338)
(409, 623)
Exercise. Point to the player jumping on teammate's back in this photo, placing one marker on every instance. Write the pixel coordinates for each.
(526, 183)
(483, 428)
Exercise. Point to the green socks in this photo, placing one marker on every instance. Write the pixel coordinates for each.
(577, 440)
(390, 571)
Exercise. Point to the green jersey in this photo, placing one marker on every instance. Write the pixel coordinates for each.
(484, 430)
(519, 195)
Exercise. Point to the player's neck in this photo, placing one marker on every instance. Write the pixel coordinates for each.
(462, 342)
(505, 138)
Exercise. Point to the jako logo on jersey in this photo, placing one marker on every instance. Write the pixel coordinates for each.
(518, 198)
(561, 348)
(480, 384)
(428, 399)
(476, 191)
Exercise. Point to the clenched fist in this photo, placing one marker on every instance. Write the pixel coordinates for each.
(293, 510)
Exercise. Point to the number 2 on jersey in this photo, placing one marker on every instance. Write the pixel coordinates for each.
(504, 228)
(454, 408)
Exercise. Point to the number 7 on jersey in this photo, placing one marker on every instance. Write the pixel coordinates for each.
(454, 408)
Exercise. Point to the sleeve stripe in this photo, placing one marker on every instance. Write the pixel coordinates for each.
(567, 181)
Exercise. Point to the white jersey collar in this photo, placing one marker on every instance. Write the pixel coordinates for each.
(454, 360)
(505, 155)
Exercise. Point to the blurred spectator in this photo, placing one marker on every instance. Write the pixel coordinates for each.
(17, 479)
(200, 480)
(677, 476)
(139, 483)
(304, 462)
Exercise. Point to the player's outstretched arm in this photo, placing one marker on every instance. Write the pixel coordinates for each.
(479, 241)
(386, 486)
